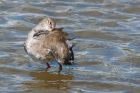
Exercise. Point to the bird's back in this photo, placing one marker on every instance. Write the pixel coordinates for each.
(56, 42)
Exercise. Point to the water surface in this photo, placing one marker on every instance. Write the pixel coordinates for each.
(107, 48)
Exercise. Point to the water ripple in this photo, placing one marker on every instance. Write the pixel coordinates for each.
(107, 48)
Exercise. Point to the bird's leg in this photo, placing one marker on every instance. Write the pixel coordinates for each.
(60, 67)
(56, 58)
(48, 66)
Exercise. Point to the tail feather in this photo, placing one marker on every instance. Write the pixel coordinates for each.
(70, 59)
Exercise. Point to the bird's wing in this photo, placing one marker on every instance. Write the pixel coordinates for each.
(40, 32)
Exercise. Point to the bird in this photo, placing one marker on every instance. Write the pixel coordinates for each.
(45, 42)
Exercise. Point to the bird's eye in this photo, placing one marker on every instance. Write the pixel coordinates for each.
(50, 23)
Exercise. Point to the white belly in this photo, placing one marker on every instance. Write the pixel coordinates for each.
(32, 45)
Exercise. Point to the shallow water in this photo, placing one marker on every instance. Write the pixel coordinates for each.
(107, 48)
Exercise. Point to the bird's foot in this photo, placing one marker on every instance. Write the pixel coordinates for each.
(48, 66)
(60, 68)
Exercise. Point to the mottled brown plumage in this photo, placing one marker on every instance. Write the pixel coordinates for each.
(55, 42)
(46, 43)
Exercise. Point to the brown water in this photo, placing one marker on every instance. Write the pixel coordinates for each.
(107, 51)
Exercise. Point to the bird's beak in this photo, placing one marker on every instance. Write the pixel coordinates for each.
(39, 33)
